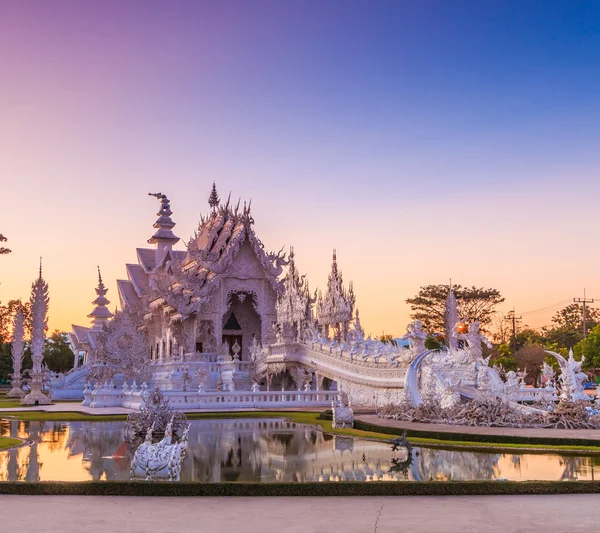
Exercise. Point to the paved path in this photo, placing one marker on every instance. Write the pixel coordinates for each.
(69, 408)
(450, 514)
(519, 432)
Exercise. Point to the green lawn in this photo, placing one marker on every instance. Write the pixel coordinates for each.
(7, 442)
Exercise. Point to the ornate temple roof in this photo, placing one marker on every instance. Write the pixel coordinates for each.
(183, 279)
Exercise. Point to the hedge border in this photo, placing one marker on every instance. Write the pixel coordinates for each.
(353, 488)
(476, 437)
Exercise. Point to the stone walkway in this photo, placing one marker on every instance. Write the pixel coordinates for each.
(450, 514)
(517, 432)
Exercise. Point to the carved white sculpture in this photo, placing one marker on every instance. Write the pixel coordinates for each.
(343, 414)
(473, 337)
(122, 348)
(335, 309)
(572, 377)
(39, 324)
(17, 354)
(416, 335)
(294, 303)
(162, 460)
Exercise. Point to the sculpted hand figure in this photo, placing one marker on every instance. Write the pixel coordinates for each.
(473, 337)
(416, 335)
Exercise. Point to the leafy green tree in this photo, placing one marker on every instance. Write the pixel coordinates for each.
(529, 336)
(7, 314)
(474, 303)
(57, 352)
(571, 317)
(590, 348)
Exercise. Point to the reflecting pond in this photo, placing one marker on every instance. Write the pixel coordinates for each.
(261, 449)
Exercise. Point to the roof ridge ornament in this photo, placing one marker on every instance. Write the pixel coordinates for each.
(213, 199)
(164, 224)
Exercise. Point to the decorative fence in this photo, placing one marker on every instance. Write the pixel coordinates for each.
(107, 395)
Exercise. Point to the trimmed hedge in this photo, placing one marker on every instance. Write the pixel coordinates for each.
(354, 488)
(475, 437)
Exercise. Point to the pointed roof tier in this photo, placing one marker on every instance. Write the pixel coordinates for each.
(100, 314)
(164, 224)
(294, 303)
(337, 306)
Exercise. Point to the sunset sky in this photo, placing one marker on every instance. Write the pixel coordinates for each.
(424, 140)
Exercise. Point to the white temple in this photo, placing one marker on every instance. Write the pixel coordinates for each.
(218, 325)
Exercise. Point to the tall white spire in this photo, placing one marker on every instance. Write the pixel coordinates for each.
(39, 324)
(100, 314)
(17, 353)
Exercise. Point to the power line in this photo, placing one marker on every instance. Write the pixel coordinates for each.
(514, 319)
(546, 308)
(584, 301)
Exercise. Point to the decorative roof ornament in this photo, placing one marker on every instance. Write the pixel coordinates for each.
(294, 304)
(213, 199)
(100, 314)
(164, 224)
(336, 308)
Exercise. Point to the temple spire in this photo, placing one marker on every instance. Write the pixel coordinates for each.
(213, 199)
(164, 236)
(100, 314)
(39, 324)
(451, 319)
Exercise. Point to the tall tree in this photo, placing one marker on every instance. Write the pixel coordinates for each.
(7, 313)
(3, 250)
(57, 352)
(571, 317)
(474, 303)
(590, 348)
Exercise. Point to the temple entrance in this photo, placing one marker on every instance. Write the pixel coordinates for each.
(241, 323)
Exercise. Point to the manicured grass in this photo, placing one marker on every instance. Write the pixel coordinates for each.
(9, 402)
(7, 442)
(348, 488)
(371, 431)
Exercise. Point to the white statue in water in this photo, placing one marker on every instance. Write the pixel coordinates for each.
(416, 335)
(473, 337)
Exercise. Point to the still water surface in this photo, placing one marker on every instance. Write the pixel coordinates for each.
(263, 450)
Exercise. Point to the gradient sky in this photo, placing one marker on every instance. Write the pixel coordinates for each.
(423, 140)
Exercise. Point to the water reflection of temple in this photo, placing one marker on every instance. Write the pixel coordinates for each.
(261, 450)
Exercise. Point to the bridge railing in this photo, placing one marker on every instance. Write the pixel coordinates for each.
(105, 396)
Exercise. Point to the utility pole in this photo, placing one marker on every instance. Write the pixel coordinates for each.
(584, 301)
(514, 319)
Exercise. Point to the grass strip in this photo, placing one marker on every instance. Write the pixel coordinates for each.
(349, 488)
(8, 442)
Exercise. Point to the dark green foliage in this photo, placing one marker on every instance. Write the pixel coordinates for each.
(590, 348)
(3, 250)
(474, 437)
(57, 355)
(57, 352)
(474, 303)
(350, 488)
